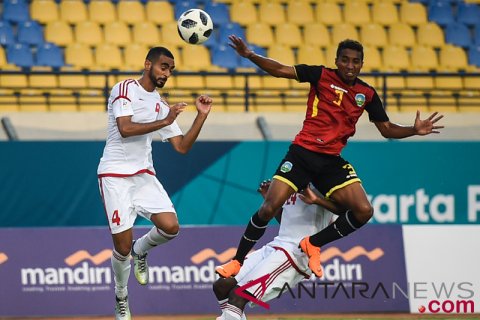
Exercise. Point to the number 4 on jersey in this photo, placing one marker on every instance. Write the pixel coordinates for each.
(116, 218)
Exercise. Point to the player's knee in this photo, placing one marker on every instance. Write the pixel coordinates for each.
(222, 287)
(124, 249)
(236, 300)
(267, 211)
(364, 212)
(171, 229)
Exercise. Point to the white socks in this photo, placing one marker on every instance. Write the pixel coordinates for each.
(232, 312)
(121, 270)
(151, 239)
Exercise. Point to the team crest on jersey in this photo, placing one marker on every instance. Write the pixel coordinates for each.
(360, 99)
(286, 167)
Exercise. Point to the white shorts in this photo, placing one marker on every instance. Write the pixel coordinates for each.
(126, 197)
(281, 266)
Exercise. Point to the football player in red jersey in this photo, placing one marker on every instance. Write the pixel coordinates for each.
(336, 100)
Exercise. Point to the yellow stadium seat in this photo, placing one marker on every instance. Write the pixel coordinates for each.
(316, 34)
(288, 34)
(471, 82)
(72, 81)
(384, 13)
(449, 83)
(243, 12)
(424, 58)
(176, 56)
(92, 101)
(99, 81)
(32, 100)
(442, 101)
(282, 54)
(44, 11)
(300, 12)
(396, 58)
(42, 80)
(189, 82)
(301, 87)
(330, 56)
(59, 32)
(413, 13)
(420, 82)
(79, 55)
(73, 11)
(401, 34)
(370, 80)
(395, 83)
(170, 37)
(108, 56)
(411, 101)
(328, 13)
(430, 34)
(159, 12)
(344, 31)
(219, 82)
(308, 54)
(453, 58)
(146, 33)
(3, 58)
(260, 34)
(89, 33)
(469, 101)
(372, 60)
(102, 11)
(13, 80)
(130, 12)
(356, 12)
(373, 34)
(271, 13)
(117, 33)
(196, 58)
(273, 83)
(8, 101)
(254, 82)
(64, 103)
(135, 55)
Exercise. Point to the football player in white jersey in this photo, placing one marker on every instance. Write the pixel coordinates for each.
(126, 175)
(281, 260)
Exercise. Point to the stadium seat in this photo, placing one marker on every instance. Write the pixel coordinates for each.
(146, 33)
(190, 82)
(8, 100)
(312, 55)
(243, 13)
(300, 12)
(196, 58)
(225, 57)
(449, 83)
(58, 32)
(430, 34)
(412, 13)
(260, 34)
(3, 58)
(92, 101)
(440, 13)
(396, 58)
(420, 82)
(356, 12)
(344, 31)
(288, 34)
(316, 34)
(271, 13)
(453, 58)
(476, 35)
(384, 13)
(73, 11)
(474, 55)
(401, 34)
(468, 13)
(424, 59)
(44, 11)
(471, 82)
(64, 103)
(7, 37)
(32, 100)
(72, 81)
(89, 33)
(42, 81)
(48, 54)
(159, 12)
(282, 53)
(17, 81)
(102, 11)
(99, 81)
(458, 34)
(20, 55)
(372, 60)
(30, 33)
(218, 12)
(79, 55)
(229, 29)
(330, 56)
(170, 37)
(131, 12)
(108, 56)
(328, 13)
(117, 33)
(373, 34)
(16, 11)
(219, 82)
(182, 6)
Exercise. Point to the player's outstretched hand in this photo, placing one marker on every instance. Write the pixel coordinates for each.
(239, 45)
(175, 110)
(427, 126)
(263, 187)
(203, 104)
(308, 196)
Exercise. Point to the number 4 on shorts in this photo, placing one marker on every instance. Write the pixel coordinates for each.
(116, 218)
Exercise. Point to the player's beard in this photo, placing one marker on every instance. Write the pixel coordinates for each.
(156, 81)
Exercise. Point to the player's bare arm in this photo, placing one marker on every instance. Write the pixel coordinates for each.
(310, 197)
(128, 128)
(183, 143)
(271, 66)
(420, 127)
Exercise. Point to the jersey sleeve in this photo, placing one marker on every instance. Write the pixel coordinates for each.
(306, 73)
(170, 131)
(376, 112)
(121, 100)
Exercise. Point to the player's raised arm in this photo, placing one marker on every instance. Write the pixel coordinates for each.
(420, 127)
(273, 67)
(310, 197)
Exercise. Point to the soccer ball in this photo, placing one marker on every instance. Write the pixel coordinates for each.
(194, 26)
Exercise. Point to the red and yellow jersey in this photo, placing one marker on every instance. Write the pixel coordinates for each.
(333, 109)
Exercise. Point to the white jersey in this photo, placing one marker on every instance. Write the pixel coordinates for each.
(128, 156)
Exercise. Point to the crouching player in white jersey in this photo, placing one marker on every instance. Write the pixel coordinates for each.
(281, 260)
(126, 175)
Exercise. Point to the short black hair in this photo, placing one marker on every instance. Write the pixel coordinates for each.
(349, 44)
(156, 52)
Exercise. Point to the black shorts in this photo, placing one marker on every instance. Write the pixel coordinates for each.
(326, 172)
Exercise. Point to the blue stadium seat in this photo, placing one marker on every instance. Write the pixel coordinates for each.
(476, 35)
(468, 13)
(218, 12)
(440, 13)
(49, 54)
(458, 34)
(182, 6)
(229, 29)
(16, 11)
(20, 54)
(6, 34)
(30, 32)
(246, 63)
(225, 57)
(474, 55)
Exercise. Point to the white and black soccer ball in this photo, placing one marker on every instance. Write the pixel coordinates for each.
(194, 26)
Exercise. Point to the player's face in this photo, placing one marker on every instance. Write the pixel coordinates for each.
(349, 63)
(161, 70)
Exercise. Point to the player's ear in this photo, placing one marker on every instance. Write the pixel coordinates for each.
(148, 64)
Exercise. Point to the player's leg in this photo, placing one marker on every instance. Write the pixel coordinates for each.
(120, 259)
(221, 289)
